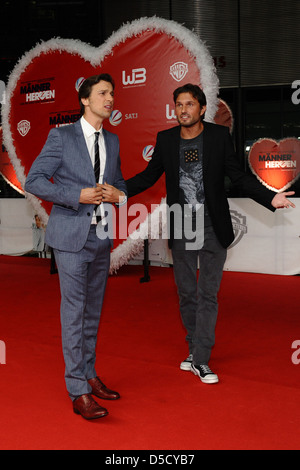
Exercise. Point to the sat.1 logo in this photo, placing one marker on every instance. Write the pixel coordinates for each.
(147, 152)
(78, 83)
(115, 118)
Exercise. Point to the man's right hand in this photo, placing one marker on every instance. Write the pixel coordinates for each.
(91, 195)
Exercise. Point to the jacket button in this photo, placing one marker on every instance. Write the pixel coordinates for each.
(88, 214)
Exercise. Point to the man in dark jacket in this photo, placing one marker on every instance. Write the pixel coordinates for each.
(195, 157)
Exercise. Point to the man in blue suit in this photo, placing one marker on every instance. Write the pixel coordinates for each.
(82, 161)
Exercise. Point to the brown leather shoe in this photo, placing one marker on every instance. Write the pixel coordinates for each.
(101, 391)
(88, 408)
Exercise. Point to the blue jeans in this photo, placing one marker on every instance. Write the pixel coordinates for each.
(198, 298)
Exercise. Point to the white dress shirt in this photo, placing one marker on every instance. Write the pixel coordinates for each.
(89, 135)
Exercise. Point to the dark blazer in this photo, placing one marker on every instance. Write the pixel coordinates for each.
(219, 160)
(66, 159)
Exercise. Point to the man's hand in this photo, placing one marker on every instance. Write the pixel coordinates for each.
(111, 194)
(280, 201)
(91, 195)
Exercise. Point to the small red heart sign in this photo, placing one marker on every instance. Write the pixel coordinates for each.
(276, 164)
(224, 116)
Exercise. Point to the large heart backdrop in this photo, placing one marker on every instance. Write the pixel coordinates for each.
(148, 59)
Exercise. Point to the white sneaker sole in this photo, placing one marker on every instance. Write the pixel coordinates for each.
(185, 366)
(210, 379)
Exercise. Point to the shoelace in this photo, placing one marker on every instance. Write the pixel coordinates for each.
(205, 369)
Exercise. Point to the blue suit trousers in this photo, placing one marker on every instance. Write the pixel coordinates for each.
(83, 276)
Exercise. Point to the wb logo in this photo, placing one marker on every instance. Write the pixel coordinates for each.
(137, 77)
(239, 224)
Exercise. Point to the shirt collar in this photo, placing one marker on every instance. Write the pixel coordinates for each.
(87, 128)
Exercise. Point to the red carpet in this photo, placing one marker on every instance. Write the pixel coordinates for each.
(141, 343)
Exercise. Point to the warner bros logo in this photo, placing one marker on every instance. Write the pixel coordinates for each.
(179, 70)
(239, 223)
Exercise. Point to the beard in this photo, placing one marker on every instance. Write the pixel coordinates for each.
(190, 123)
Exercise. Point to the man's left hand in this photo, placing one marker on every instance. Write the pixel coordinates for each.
(280, 201)
(111, 194)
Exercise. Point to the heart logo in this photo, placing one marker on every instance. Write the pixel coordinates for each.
(224, 116)
(147, 58)
(276, 164)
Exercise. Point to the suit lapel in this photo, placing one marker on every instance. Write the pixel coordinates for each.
(207, 146)
(174, 144)
(109, 155)
(83, 151)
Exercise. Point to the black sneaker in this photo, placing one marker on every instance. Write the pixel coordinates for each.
(205, 374)
(187, 363)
